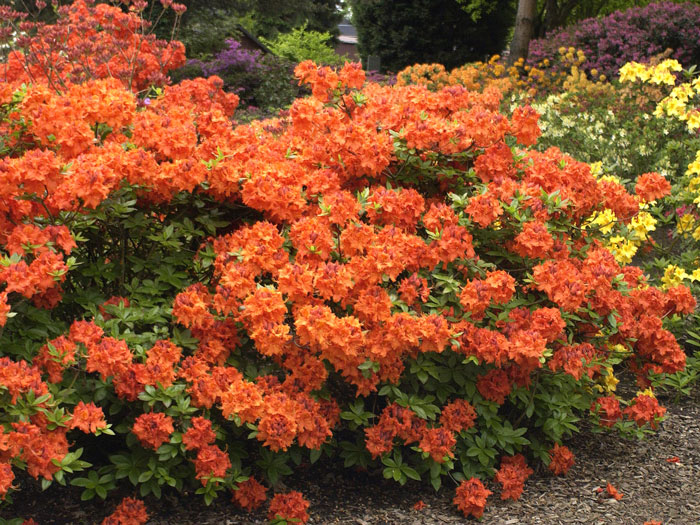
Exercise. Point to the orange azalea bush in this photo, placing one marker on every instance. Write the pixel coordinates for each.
(388, 276)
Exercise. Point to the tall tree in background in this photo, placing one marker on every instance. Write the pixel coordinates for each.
(268, 18)
(524, 30)
(405, 32)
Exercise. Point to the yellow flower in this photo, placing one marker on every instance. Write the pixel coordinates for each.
(596, 168)
(611, 178)
(673, 276)
(648, 392)
(685, 223)
(695, 276)
(693, 121)
(605, 220)
(696, 235)
(642, 224)
(694, 168)
(622, 249)
(610, 381)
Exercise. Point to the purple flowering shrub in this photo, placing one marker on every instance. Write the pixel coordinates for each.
(233, 57)
(260, 80)
(636, 34)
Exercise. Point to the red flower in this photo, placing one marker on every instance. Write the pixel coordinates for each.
(419, 505)
(289, 506)
(471, 497)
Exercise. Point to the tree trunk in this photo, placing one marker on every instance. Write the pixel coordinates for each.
(524, 30)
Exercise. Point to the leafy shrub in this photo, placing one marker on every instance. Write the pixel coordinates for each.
(259, 80)
(648, 123)
(302, 44)
(404, 32)
(520, 79)
(89, 41)
(636, 34)
(387, 277)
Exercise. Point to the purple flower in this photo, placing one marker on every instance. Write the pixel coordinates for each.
(635, 34)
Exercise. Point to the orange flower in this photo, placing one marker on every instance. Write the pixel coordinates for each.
(607, 409)
(512, 475)
(471, 497)
(458, 415)
(613, 493)
(561, 459)
(199, 434)
(88, 417)
(438, 442)
(494, 385)
(130, 511)
(4, 308)
(6, 479)
(645, 409)
(419, 505)
(250, 494)
(153, 429)
(524, 125)
(484, 209)
(211, 462)
(290, 506)
(652, 186)
(534, 241)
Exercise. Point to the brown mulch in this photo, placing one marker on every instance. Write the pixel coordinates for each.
(653, 488)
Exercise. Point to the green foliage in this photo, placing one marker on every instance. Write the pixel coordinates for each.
(405, 32)
(304, 44)
(268, 18)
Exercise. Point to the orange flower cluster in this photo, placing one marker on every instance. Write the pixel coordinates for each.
(153, 429)
(645, 409)
(652, 186)
(290, 507)
(396, 221)
(36, 445)
(471, 497)
(607, 409)
(512, 475)
(92, 41)
(130, 511)
(250, 494)
(560, 459)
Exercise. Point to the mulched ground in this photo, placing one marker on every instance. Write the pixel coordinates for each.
(653, 488)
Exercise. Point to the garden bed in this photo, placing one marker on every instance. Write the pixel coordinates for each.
(653, 489)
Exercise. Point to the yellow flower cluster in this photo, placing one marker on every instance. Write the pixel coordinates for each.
(676, 103)
(543, 78)
(476, 76)
(607, 383)
(675, 275)
(656, 74)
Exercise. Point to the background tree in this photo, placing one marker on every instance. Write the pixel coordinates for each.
(404, 32)
(524, 30)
